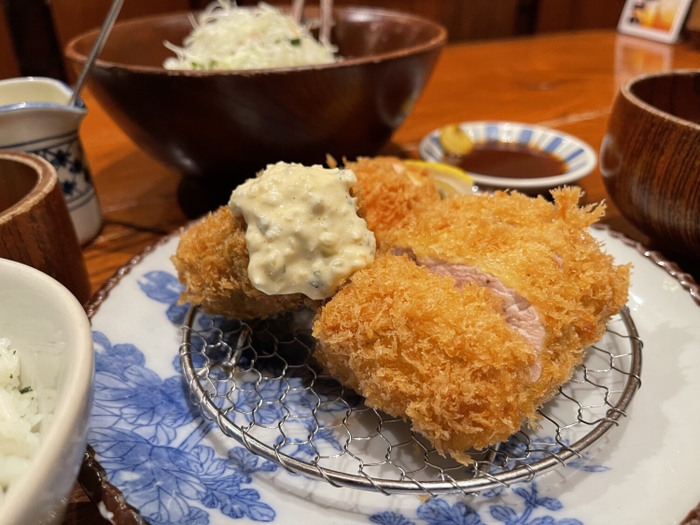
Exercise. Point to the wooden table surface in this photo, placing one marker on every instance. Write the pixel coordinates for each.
(565, 81)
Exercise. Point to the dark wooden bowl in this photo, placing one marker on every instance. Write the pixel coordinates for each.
(650, 158)
(233, 123)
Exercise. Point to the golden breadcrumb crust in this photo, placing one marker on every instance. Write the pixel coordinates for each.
(212, 263)
(387, 190)
(418, 347)
(542, 250)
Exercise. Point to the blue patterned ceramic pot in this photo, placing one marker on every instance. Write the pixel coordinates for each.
(35, 118)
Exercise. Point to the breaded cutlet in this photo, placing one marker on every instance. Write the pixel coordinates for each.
(212, 264)
(480, 320)
(543, 250)
(212, 258)
(416, 346)
(387, 190)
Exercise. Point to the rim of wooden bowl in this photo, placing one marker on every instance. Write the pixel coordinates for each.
(626, 91)
(435, 42)
(46, 180)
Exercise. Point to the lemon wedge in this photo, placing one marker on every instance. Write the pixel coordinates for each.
(449, 180)
(455, 141)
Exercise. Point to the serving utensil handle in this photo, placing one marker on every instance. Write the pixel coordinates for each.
(105, 30)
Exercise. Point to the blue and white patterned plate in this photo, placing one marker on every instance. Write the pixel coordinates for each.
(579, 157)
(176, 468)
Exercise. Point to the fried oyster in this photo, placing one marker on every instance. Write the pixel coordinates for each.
(212, 264)
(212, 257)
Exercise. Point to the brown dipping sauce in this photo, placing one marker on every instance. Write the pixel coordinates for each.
(513, 161)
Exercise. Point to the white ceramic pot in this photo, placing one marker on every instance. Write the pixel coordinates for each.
(35, 118)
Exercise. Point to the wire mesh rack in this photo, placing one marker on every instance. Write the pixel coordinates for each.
(259, 383)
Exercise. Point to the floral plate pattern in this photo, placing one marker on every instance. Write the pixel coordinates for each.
(164, 463)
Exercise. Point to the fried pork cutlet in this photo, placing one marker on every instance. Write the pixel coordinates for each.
(212, 264)
(484, 315)
(387, 190)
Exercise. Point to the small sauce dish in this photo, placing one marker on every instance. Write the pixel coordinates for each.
(513, 155)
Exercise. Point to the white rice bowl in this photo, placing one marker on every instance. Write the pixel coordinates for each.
(25, 414)
(46, 372)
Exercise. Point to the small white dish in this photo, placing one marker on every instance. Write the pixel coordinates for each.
(579, 157)
(51, 333)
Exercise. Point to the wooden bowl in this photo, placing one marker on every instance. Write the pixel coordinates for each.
(35, 225)
(232, 123)
(650, 158)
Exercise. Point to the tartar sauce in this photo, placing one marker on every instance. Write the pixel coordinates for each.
(303, 234)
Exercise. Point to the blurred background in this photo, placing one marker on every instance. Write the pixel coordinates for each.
(33, 33)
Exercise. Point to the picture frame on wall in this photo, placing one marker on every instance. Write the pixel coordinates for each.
(660, 20)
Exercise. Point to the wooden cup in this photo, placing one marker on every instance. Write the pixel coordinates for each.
(650, 158)
(35, 225)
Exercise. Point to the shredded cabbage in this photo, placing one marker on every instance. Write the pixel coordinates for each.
(227, 37)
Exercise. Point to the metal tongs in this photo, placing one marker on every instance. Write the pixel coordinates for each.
(326, 18)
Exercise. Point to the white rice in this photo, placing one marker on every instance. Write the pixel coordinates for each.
(227, 37)
(24, 414)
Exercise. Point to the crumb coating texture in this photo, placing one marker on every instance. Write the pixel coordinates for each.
(212, 264)
(418, 347)
(387, 190)
(542, 250)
